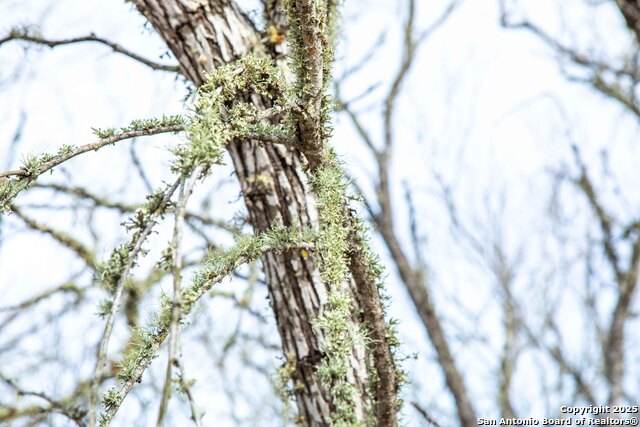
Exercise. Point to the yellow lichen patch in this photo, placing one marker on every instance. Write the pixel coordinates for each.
(275, 36)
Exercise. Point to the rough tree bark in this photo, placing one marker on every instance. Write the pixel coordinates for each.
(630, 10)
(202, 36)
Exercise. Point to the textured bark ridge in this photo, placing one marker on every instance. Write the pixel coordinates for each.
(204, 35)
(630, 10)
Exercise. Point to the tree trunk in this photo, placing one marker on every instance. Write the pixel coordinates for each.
(205, 35)
(630, 10)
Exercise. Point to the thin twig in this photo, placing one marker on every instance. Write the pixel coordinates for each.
(138, 165)
(25, 36)
(196, 416)
(104, 202)
(186, 189)
(64, 239)
(136, 245)
(69, 287)
(439, 22)
(423, 412)
(596, 68)
(604, 219)
(409, 54)
(73, 413)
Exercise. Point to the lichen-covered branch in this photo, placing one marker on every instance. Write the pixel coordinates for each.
(146, 342)
(186, 189)
(114, 276)
(14, 181)
(367, 271)
(343, 337)
(211, 40)
(311, 29)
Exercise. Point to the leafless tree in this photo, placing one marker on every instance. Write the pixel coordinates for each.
(339, 365)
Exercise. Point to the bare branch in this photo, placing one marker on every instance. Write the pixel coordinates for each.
(618, 84)
(409, 50)
(83, 193)
(584, 183)
(362, 132)
(65, 287)
(439, 22)
(73, 413)
(65, 240)
(25, 35)
(416, 241)
(360, 64)
(425, 415)
(138, 165)
(615, 92)
(104, 202)
(413, 278)
(594, 67)
(411, 44)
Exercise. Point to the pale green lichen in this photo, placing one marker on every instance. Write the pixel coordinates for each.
(111, 397)
(110, 272)
(9, 188)
(329, 186)
(341, 335)
(324, 32)
(300, 61)
(33, 166)
(335, 322)
(104, 307)
(140, 125)
(26, 31)
(221, 114)
(145, 342)
(223, 111)
(283, 385)
(375, 271)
